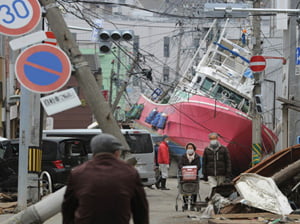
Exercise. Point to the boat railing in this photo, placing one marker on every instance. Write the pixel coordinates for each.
(234, 65)
(228, 63)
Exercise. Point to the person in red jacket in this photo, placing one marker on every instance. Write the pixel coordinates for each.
(163, 159)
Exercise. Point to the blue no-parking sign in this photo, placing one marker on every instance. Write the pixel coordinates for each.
(43, 68)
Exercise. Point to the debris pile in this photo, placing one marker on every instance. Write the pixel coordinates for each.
(267, 193)
(8, 203)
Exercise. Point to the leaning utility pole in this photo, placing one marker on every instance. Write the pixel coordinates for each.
(256, 117)
(86, 80)
(179, 51)
(293, 77)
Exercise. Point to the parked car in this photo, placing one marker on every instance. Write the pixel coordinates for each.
(139, 141)
(63, 149)
(59, 156)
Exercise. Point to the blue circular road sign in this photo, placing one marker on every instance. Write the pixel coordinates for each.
(43, 68)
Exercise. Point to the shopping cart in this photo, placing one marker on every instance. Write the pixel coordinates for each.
(188, 187)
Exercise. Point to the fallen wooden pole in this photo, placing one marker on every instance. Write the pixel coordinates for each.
(287, 173)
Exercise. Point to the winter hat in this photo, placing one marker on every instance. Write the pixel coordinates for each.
(105, 143)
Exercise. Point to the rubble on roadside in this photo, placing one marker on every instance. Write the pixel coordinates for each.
(8, 202)
(266, 193)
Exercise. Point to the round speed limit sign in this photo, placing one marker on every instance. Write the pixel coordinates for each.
(18, 17)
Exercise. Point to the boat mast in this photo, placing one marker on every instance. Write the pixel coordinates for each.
(180, 24)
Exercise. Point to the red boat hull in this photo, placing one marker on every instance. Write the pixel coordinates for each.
(192, 121)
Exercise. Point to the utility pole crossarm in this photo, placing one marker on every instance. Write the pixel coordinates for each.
(292, 104)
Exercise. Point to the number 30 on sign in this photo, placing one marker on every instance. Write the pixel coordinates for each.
(18, 17)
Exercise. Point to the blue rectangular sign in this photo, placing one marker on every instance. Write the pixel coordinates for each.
(298, 56)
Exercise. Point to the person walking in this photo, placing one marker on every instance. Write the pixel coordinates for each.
(156, 168)
(216, 163)
(105, 189)
(190, 158)
(163, 158)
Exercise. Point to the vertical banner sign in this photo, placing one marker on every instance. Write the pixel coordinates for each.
(298, 56)
(297, 71)
(19, 17)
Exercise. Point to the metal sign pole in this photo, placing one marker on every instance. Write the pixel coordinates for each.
(29, 136)
(25, 124)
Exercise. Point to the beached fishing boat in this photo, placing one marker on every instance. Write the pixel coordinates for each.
(216, 97)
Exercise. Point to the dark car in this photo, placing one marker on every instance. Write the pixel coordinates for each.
(59, 156)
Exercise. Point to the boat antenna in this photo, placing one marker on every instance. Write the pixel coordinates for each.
(191, 62)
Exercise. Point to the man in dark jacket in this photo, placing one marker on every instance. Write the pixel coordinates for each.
(216, 163)
(105, 189)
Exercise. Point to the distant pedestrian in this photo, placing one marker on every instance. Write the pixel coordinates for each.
(216, 163)
(190, 158)
(163, 159)
(105, 189)
(156, 168)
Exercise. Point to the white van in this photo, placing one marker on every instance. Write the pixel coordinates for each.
(139, 141)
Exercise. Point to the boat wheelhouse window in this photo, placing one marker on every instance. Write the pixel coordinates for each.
(231, 98)
(225, 95)
(208, 85)
(245, 106)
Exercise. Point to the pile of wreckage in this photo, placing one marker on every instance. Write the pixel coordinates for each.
(8, 188)
(266, 193)
(8, 202)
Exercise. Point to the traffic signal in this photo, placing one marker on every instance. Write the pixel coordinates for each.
(107, 36)
(258, 104)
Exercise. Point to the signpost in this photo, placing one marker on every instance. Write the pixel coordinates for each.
(18, 17)
(257, 63)
(27, 40)
(60, 101)
(43, 68)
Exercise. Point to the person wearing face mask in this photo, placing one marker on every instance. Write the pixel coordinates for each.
(216, 163)
(163, 159)
(190, 158)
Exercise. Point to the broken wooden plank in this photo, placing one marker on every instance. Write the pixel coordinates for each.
(5, 197)
(229, 221)
(8, 204)
(275, 163)
(287, 173)
(266, 215)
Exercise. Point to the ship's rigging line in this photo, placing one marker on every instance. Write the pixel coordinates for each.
(225, 139)
(146, 79)
(161, 62)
